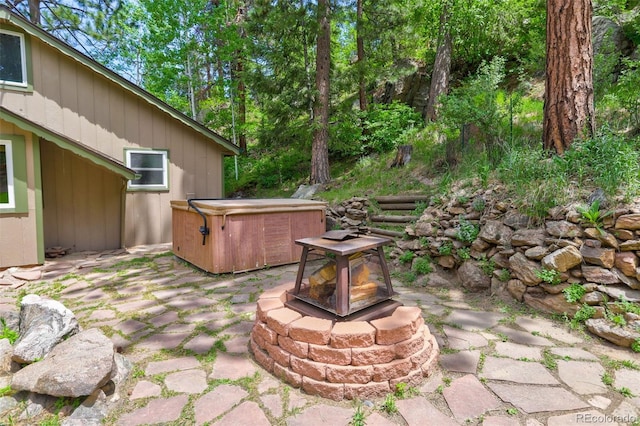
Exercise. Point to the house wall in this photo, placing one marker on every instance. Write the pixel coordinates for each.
(19, 237)
(83, 105)
(81, 202)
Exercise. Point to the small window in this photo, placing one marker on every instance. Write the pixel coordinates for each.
(151, 167)
(7, 191)
(13, 63)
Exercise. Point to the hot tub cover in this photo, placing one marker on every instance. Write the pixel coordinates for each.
(229, 206)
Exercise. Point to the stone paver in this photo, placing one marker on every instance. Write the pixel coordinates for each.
(187, 381)
(321, 414)
(485, 366)
(247, 413)
(156, 411)
(218, 401)
(517, 371)
(232, 367)
(461, 362)
(474, 320)
(537, 399)
(583, 377)
(468, 398)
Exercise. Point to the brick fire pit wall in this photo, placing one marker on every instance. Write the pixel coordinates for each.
(342, 360)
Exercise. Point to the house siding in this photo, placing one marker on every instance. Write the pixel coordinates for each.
(71, 99)
(19, 239)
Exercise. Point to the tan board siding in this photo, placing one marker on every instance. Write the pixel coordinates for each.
(18, 232)
(81, 202)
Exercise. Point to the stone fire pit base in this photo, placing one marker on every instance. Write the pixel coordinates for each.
(342, 360)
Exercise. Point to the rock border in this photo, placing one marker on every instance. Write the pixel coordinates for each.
(342, 360)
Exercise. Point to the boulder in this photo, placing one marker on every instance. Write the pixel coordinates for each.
(620, 336)
(563, 229)
(628, 221)
(524, 269)
(472, 277)
(43, 324)
(596, 274)
(75, 367)
(495, 232)
(551, 303)
(627, 263)
(563, 259)
(528, 237)
(599, 256)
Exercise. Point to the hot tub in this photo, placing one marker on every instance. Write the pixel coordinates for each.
(235, 235)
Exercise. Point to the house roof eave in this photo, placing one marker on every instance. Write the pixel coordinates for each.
(68, 144)
(5, 14)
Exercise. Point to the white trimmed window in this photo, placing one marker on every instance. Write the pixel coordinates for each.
(13, 59)
(7, 190)
(152, 169)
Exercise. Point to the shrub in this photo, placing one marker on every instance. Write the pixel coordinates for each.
(406, 257)
(549, 276)
(467, 232)
(574, 292)
(422, 266)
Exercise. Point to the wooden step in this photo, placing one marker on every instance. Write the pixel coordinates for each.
(386, 232)
(393, 219)
(394, 199)
(398, 206)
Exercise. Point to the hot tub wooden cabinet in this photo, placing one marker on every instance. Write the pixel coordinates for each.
(235, 235)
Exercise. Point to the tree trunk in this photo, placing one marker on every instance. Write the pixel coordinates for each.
(568, 106)
(242, 95)
(441, 66)
(320, 146)
(362, 90)
(34, 12)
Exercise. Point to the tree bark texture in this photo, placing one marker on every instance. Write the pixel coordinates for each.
(568, 106)
(320, 147)
(362, 90)
(442, 65)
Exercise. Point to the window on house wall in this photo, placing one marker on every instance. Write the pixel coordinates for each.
(13, 62)
(7, 192)
(152, 169)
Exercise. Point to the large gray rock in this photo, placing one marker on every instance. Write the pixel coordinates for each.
(43, 324)
(621, 336)
(495, 232)
(525, 269)
(472, 277)
(563, 229)
(528, 237)
(76, 367)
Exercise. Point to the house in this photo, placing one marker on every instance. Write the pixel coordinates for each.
(88, 160)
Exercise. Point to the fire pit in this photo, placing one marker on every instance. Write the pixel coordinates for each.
(336, 332)
(343, 276)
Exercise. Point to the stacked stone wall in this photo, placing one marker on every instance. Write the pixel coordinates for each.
(342, 360)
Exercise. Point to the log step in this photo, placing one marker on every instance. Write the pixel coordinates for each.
(398, 206)
(393, 219)
(394, 199)
(386, 232)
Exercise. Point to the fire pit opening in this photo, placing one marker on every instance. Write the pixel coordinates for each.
(343, 276)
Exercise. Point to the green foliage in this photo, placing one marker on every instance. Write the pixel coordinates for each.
(467, 231)
(8, 333)
(389, 405)
(386, 125)
(584, 313)
(403, 391)
(406, 257)
(549, 276)
(358, 418)
(464, 253)
(487, 265)
(592, 214)
(504, 275)
(420, 208)
(617, 319)
(574, 292)
(5, 391)
(446, 248)
(635, 345)
(476, 102)
(422, 266)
